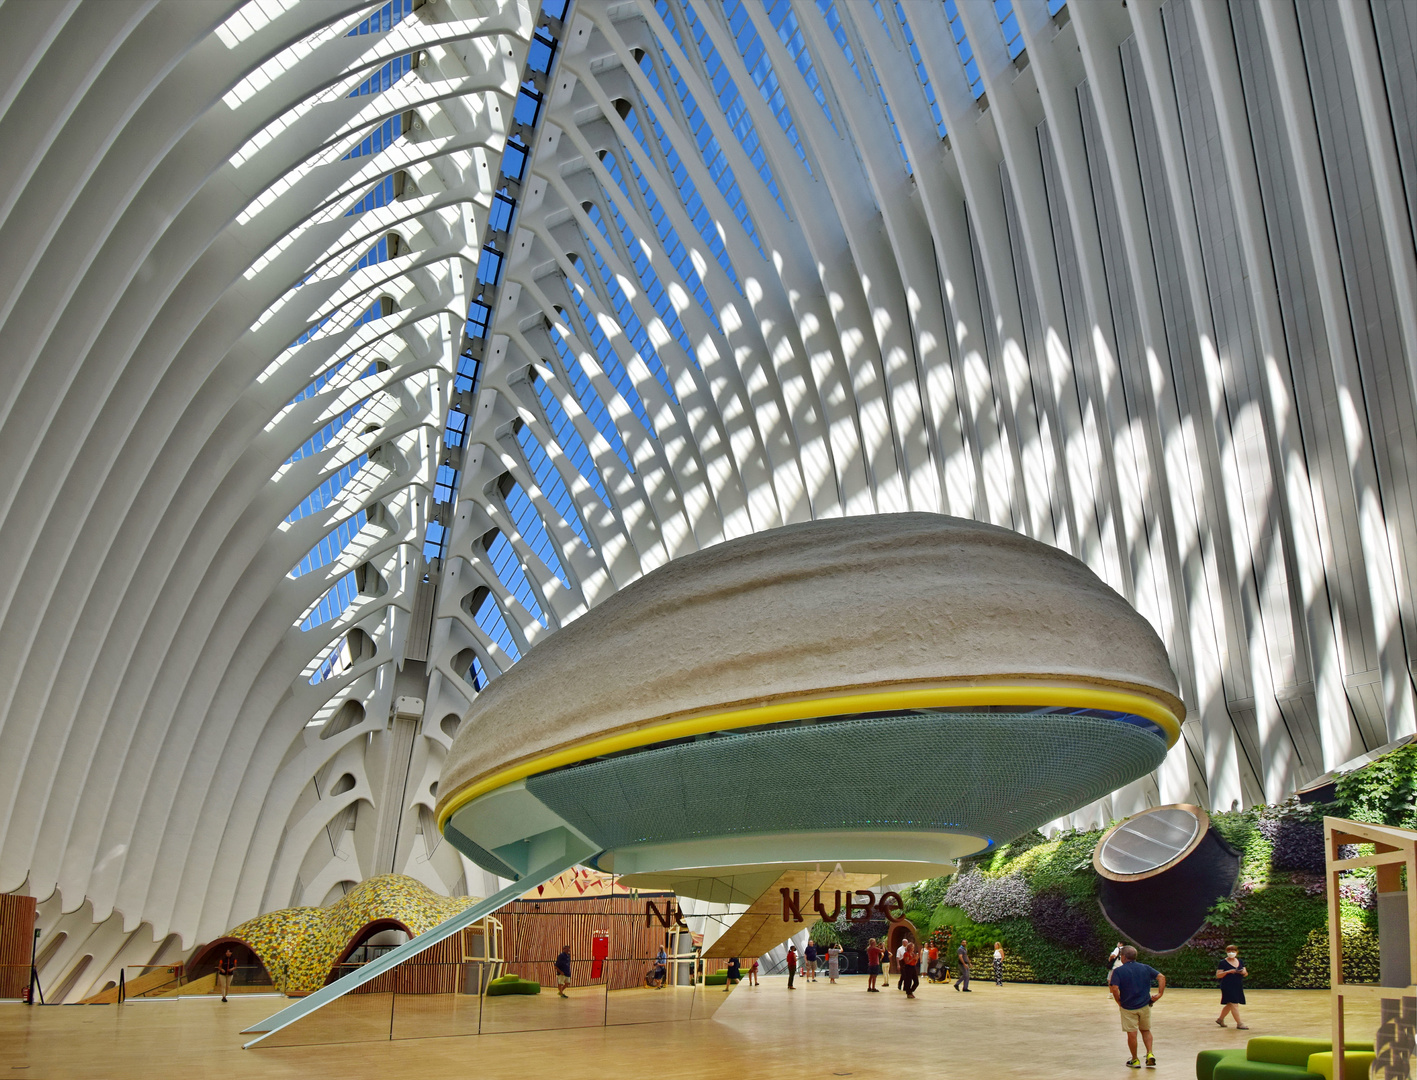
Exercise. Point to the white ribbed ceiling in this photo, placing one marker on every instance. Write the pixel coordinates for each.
(1137, 280)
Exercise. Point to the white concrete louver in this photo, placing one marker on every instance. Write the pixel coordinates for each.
(203, 518)
(1072, 269)
(1137, 281)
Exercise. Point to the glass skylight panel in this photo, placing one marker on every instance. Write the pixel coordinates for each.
(569, 439)
(465, 377)
(920, 73)
(308, 334)
(634, 329)
(381, 137)
(490, 621)
(489, 266)
(477, 674)
(670, 243)
(325, 494)
(881, 15)
(608, 160)
(760, 70)
(789, 31)
(625, 313)
(330, 547)
(383, 20)
(730, 101)
(514, 156)
(320, 382)
(378, 253)
(385, 77)
(499, 217)
(445, 484)
(709, 150)
(966, 52)
(527, 106)
(372, 312)
(541, 52)
(381, 194)
(688, 196)
(337, 661)
(548, 479)
(333, 604)
(433, 540)
(833, 21)
(1008, 26)
(478, 315)
(609, 360)
(533, 530)
(650, 284)
(324, 436)
(591, 404)
(508, 569)
(456, 429)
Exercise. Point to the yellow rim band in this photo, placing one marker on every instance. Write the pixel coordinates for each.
(1039, 696)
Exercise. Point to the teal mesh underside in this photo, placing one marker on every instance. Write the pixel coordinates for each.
(478, 854)
(994, 775)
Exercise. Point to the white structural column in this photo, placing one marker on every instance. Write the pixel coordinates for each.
(1133, 279)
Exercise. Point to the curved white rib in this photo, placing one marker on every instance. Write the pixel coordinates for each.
(161, 745)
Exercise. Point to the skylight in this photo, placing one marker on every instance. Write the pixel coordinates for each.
(377, 253)
(526, 111)
(383, 135)
(789, 31)
(548, 479)
(730, 101)
(920, 73)
(385, 19)
(966, 52)
(709, 150)
(589, 332)
(385, 77)
(320, 381)
(338, 659)
(508, 568)
(590, 402)
(689, 196)
(833, 21)
(669, 239)
(650, 284)
(760, 70)
(1008, 26)
(322, 438)
(381, 194)
(490, 621)
(333, 604)
(477, 674)
(533, 530)
(890, 116)
(330, 547)
(625, 313)
(569, 439)
(325, 494)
